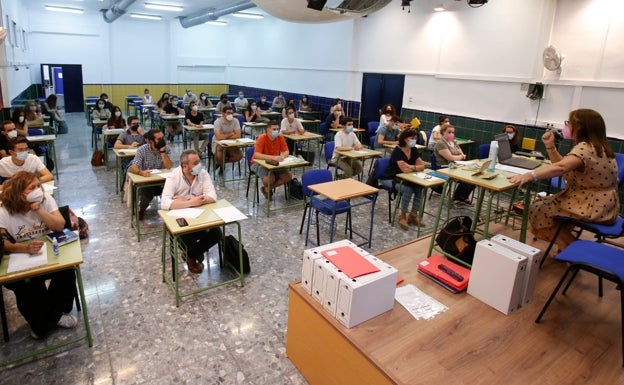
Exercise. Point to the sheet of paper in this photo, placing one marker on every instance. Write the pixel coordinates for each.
(128, 151)
(466, 162)
(185, 213)
(230, 214)
(291, 159)
(246, 140)
(423, 175)
(227, 141)
(512, 169)
(155, 171)
(25, 261)
(417, 303)
(48, 188)
(166, 174)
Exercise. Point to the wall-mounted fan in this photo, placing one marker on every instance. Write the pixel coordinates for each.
(552, 59)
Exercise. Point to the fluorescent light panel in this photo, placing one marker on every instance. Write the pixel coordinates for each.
(147, 17)
(163, 7)
(216, 22)
(63, 9)
(247, 15)
(439, 8)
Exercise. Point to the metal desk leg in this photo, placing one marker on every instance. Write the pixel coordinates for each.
(370, 234)
(83, 302)
(437, 220)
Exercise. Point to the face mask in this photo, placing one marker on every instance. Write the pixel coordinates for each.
(229, 117)
(203, 97)
(117, 113)
(100, 106)
(146, 93)
(197, 169)
(274, 134)
(223, 101)
(412, 143)
(12, 134)
(291, 116)
(175, 102)
(160, 143)
(449, 137)
(33, 108)
(166, 97)
(35, 195)
(510, 135)
(21, 119)
(22, 155)
(241, 95)
(263, 100)
(253, 108)
(567, 134)
(134, 127)
(105, 99)
(338, 113)
(305, 99)
(349, 129)
(189, 93)
(389, 112)
(279, 95)
(194, 108)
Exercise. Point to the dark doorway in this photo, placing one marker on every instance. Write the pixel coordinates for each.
(377, 90)
(64, 80)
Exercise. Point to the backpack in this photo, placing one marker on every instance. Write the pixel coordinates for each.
(230, 254)
(456, 239)
(97, 159)
(295, 189)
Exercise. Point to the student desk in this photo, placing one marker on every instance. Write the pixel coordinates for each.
(48, 140)
(241, 143)
(253, 127)
(70, 257)
(171, 234)
(106, 135)
(310, 115)
(290, 163)
(363, 154)
(271, 115)
(171, 118)
(493, 186)
(344, 190)
(95, 124)
(143, 110)
(195, 131)
(138, 182)
(306, 137)
(120, 155)
(423, 180)
(311, 125)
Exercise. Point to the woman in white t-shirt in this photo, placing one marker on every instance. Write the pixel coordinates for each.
(435, 132)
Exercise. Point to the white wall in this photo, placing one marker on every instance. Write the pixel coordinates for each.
(466, 61)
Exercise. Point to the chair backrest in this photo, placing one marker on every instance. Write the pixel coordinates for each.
(373, 126)
(558, 182)
(422, 138)
(484, 150)
(381, 164)
(329, 150)
(373, 142)
(619, 159)
(241, 119)
(314, 177)
(434, 162)
(35, 131)
(249, 155)
(323, 128)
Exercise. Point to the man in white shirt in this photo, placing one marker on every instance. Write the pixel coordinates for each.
(189, 97)
(241, 102)
(22, 160)
(346, 140)
(226, 127)
(191, 186)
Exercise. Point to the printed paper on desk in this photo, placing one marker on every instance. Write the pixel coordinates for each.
(423, 175)
(349, 261)
(166, 174)
(291, 159)
(417, 303)
(128, 151)
(155, 171)
(246, 140)
(230, 214)
(227, 141)
(185, 213)
(25, 261)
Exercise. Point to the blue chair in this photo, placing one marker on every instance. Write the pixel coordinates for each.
(249, 154)
(484, 151)
(595, 258)
(319, 205)
(372, 127)
(381, 164)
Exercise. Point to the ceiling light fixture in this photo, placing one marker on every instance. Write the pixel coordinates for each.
(162, 7)
(63, 9)
(439, 8)
(216, 22)
(247, 15)
(147, 17)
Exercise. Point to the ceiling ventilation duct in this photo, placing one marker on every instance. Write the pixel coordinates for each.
(118, 9)
(334, 10)
(212, 14)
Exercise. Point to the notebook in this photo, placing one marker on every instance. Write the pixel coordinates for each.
(448, 274)
(63, 237)
(505, 156)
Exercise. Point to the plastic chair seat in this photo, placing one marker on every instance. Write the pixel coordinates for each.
(328, 207)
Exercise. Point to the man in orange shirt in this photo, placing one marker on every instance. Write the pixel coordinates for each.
(271, 146)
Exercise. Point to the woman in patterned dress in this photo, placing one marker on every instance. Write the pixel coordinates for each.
(590, 173)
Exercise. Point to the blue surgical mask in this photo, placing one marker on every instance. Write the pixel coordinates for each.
(197, 169)
(274, 134)
(412, 143)
(349, 129)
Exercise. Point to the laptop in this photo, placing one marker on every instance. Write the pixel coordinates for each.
(505, 156)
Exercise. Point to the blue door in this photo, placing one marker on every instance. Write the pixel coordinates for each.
(58, 80)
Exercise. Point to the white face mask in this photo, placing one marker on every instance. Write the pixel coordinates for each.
(338, 113)
(241, 95)
(189, 93)
(291, 116)
(229, 117)
(35, 195)
(253, 108)
(101, 106)
(203, 97)
(21, 119)
(510, 135)
(197, 169)
(22, 155)
(117, 113)
(195, 108)
(12, 134)
(263, 100)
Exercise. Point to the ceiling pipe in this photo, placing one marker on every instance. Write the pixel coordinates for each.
(118, 9)
(212, 14)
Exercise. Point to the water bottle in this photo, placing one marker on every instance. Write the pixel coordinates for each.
(493, 156)
(55, 247)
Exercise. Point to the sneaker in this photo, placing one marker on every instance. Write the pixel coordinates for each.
(67, 321)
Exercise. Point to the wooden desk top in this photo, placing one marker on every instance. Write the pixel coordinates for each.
(305, 136)
(294, 162)
(417, 178)
(69, 255)
(138, 179)
(205, 127)
(236, 142)
(125, 152)
(206, 220)
(356, 130)
(342, 189)
(255, 124)
(363, 153)
(500, 183)
(41, 138)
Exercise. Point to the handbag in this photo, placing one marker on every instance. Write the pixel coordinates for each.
(456, 239)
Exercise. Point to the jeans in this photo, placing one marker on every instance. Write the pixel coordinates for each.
(408, 192)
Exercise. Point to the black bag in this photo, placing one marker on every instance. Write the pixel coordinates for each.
(295, 189)
(230, 254)
(456, 239)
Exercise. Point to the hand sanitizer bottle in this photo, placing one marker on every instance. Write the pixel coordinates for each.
(55, 247)
(493, 156)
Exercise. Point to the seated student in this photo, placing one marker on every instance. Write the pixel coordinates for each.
(189, 97)
(435, 132)
(147, 98)
(116, 120)
(446, 151)
(387, 112)
(271, 146)
(132, 137)
(172, 108)
(8, 132)
(388, 133)
(241, 102)
(191, 186)
(107, 103)
(21, 160)
(346, 140)
(512, 134)
(162, 102)
(196, 119)
(223, 102)
(263, 105)
(279, 102)
(226, 127)
(289, 104)
(100, 112)
(204, 100)
(154, 154)
(405, 158)
(252, 113)
(28, 212)
(291, 125)
(337, 103)
(19, 119)
(33, 114)
(335, 119)
(304, 104)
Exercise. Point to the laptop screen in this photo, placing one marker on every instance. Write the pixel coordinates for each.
(504, 148)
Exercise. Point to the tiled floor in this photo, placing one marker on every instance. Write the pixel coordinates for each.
(229, 335)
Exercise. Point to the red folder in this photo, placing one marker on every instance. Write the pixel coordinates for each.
(349, 261)
(442, 269)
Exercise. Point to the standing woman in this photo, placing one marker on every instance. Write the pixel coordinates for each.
(405, 158)
(28, 212)
(19, 119)
(590, 172)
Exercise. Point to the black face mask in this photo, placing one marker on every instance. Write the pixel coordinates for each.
(160, 143)
(134, 127)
